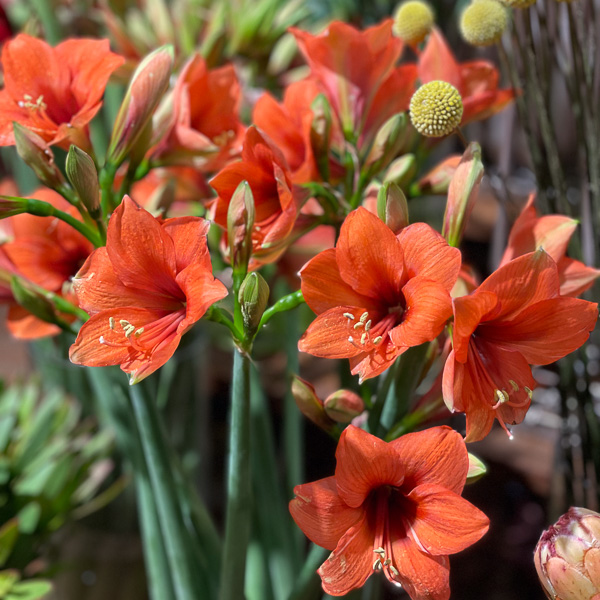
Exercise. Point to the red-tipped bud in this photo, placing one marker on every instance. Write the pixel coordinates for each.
(320, 134)
(310, 404)
(10, 206)
(240, 221)
(83, 176)
(462, 194)
(389, 140)
(37, 155)
(343, 406)
(148, 85)
(392, 207)
(567, 557)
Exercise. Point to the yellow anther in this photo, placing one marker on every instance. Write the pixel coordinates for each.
(394, 570)
(377, 565)
(349, 316)
(358, 325)
(483, 22)
(139, 332)
(111, 322)
(436, 109)
(379, 551)
(529, 392)
(377, 339)
(364, 317)
(363, 338)
(413, 21)
(514, 385)
(367, 325)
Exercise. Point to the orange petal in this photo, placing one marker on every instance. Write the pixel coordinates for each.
(575, 277)
(444, 522)
(428, 308)
(328, 335)
(437, 455)
(351, 563)
(201, 290)
(427, 253)
(321, 514)
(141, 252)
(424, 577)
(24, 326)
(364, 463)
(523, 282)
(373, 363)
(468, 314)
(546, 330)
(370, 257)
(437, 61)
(189, 241)
(323, 287)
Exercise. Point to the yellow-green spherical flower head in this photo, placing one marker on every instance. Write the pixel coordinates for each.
(483, 22)
(518, 3)
(436, 109)
(414, 20)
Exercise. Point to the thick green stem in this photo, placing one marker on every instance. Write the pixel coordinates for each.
(237, 525)
(286, 303)
(185, 580)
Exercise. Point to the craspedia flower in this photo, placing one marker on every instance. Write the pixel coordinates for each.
(436, 109)
(518, 3)
(414, 20)
(483, 22)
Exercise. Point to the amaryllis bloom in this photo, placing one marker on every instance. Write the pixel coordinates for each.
(55, 92)
(205, 129)
(514, 319)
(288, 125)
(276, 201)
(357, 72)
(377, 294)
(393, 507)
(477, 81)
(150, 283)
(567, 557)
(552, 233)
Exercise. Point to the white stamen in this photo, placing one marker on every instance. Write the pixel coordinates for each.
(349, 316)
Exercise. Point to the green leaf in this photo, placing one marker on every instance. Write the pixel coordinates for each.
(9, 534)
(29, 517)
(7, 581)
(30, 590)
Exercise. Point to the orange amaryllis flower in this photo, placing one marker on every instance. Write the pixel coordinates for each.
(357, 72)
(276, 202)
(393, 507)
(144, 290)
(552, 233)
(204, 129)
(514, 319)
(477, 81)
(53, 91)
(377, 294)
(288, 125)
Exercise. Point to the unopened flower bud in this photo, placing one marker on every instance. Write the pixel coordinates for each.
(388, 141)
(320, 134)
(437, 181)
(343, 406)
(436, 109)
(253, 298)
(462, 194)
(240, 221)
(483, 22)
(477, 469)
(518, 3)
(37, 155)
(413, 21)
(32, 300)
(392, 207)
(567, 556)
(310, 405)
(148, 84)
(401, 171)
(83, 176)
(10, 206)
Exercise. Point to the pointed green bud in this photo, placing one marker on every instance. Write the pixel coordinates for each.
(36, 154)
(253, 298)
(81, 172)
(310, 405)
(32, 300)
(477, 469)
(392, 207)
(320, 134)
(402, 171)
(388, 142)
(10, 206)
(148, 85)
(240, 221)
(343, 406)
(462, 194)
